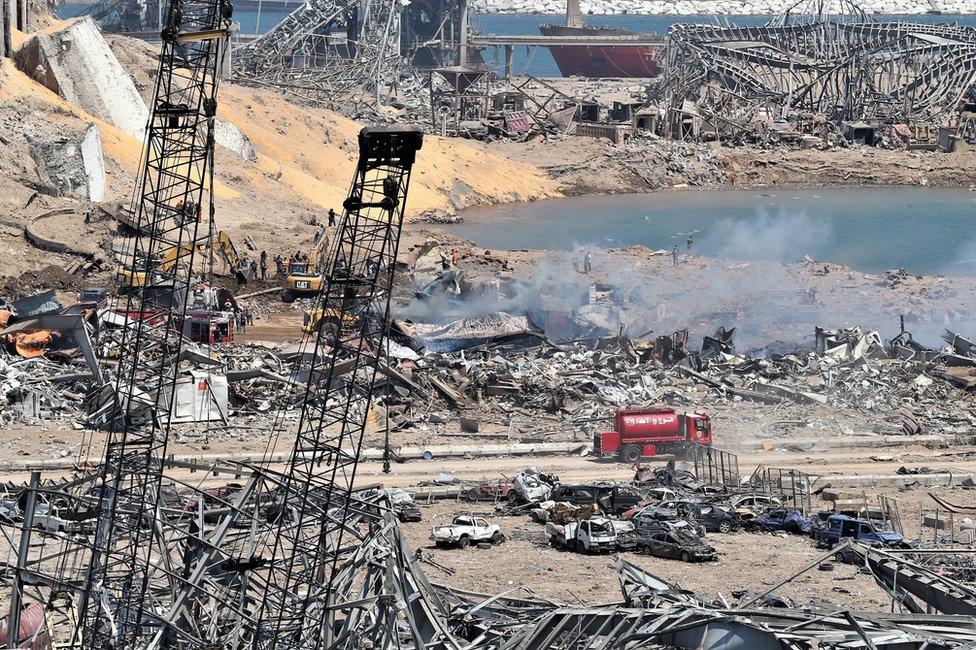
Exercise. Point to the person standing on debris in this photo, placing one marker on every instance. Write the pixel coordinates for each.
(455, 257)
(587, 262)
(332, 218)
(674, 256)
(241, 321)
(248, 317)
(264, 265)
(279, 264)
(691, 240)
(254, 269)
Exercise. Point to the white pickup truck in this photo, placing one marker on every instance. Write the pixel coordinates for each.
(594, 535)
(466, 530)
(51, 519)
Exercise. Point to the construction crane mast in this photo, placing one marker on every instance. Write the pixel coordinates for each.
(317, 503)
(124, 571)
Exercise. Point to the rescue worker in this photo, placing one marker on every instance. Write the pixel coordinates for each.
(691, 240)
(674, 256)
(587, 262)
(264, 265)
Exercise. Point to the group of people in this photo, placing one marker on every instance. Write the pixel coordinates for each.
(244, 318)
(284, 267)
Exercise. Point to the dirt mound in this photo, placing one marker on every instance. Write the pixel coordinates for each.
(32, 282)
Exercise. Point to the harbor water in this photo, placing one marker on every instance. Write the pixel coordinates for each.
(922, 230)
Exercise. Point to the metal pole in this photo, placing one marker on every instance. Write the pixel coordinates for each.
(5, 41)
(17, 597)
(463, 34)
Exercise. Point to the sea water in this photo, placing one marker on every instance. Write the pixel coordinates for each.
(922, 230)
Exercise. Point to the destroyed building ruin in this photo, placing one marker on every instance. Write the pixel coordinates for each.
(811, 73)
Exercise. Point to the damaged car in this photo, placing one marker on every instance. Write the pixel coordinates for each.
(403, 505)
(868, 531)
(532, 486)
(594, 535)
(677, 542)
(790, 520)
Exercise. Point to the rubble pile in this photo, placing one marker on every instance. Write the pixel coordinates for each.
(910, 387)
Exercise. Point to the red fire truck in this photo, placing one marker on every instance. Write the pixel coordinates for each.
(652, 431)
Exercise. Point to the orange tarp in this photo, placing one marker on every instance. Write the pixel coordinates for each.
(31, 344)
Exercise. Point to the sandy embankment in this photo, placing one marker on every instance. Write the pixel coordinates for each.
(305, 158)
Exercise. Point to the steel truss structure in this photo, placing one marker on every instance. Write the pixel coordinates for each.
(844, 68)
(117, 594)
(326, 50)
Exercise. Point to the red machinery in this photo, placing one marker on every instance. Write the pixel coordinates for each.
(652, 431)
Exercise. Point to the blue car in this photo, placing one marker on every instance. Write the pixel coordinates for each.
(791, 520)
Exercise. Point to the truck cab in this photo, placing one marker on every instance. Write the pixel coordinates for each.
(652, 431)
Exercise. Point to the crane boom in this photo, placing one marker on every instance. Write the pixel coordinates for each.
(316, 489)
(121, 581)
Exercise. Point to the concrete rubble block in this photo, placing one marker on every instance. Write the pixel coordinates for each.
(72, 165)
(77, 64)
(234, 140)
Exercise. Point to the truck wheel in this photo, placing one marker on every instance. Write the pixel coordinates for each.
(724, 527)
(287, 296)
(685, 557)
(631, 453)
(497, 538)
(464, 542)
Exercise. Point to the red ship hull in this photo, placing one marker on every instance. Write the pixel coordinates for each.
(602, 60)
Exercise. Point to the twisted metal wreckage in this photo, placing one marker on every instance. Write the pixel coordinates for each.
(294, 557)
(806, 63)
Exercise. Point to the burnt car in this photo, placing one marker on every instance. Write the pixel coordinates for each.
(612, 499)
(677, 542)
(668, 511)
(403, 505)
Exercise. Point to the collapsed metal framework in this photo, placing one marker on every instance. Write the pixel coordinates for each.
(345, 54)
(260, 565)
(129, 15)
(845, 71)
(327, 49)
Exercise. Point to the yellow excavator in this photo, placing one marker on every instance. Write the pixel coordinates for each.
(301, 282)
(221, 243)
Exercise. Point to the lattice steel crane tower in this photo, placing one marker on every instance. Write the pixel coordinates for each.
(125, 583)
(316, 492)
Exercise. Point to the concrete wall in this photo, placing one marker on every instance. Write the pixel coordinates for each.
(71, 165)
(94, 162)
(77, 63)
(234, 140)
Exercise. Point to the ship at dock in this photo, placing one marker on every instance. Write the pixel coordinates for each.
(602, 59)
